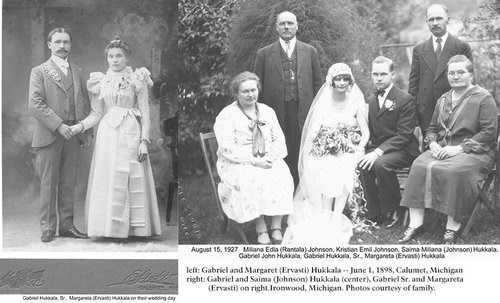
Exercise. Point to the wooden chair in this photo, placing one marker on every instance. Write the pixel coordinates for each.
(483, 199)
(209, 147)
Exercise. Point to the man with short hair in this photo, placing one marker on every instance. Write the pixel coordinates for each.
(392, 145)
(428, 79)
(58, 99)
(291, 76)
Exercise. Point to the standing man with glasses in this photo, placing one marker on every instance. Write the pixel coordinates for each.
(428, 80)
(290, 73)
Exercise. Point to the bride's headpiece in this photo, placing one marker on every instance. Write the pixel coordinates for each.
(336, 70)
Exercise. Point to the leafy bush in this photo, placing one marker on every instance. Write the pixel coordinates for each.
(203, 45)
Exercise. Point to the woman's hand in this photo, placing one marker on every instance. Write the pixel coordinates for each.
(449, 151)
(262, 163)
(435, 148)
(142, 152)
(76, 129)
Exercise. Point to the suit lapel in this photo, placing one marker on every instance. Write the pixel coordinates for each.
(445, 54)
(276, 49)
(430, 56)
(51, 71)
(300, 55)
(76, 79)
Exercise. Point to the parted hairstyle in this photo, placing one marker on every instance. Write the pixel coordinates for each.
(58, 30)
(461, 58)
(117, 42)
(242, 77)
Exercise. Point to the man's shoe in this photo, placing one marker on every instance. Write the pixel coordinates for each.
(450, 236)
(72, 232)
(376, 220)
(392, 218)
(48, 235)
(410, 233)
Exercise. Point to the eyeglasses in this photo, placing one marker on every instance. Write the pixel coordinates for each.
(458, 73)
(345, 78)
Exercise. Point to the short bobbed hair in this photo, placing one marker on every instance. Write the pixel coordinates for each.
(242, 77)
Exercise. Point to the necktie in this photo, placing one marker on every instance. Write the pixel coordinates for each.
(288, 49)
(438, 48)
(380, 94)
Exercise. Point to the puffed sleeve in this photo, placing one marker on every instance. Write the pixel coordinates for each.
(142, 80)
(278, 148)
(225, 132)
(96, 102)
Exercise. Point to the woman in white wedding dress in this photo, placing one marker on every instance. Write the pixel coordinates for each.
(327, 168)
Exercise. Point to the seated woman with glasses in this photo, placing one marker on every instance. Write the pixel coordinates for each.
(461, 139)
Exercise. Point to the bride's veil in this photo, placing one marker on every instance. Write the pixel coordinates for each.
(307, 190)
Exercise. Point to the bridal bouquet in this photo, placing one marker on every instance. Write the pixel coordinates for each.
(335, 140)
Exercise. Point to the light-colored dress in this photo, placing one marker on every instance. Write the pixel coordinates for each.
(247, 191)
(121, 199)
(333, 174)
(327, 175)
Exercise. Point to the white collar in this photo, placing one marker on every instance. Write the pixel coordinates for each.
(59, 61)
(293, 41)
(443, 40)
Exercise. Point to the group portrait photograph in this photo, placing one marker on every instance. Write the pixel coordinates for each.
(336, 122)
(89, 126)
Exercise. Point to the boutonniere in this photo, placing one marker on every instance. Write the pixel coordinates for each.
(390, 105)
(51, 71)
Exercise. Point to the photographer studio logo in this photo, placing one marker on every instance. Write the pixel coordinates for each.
(147, 280)
(24, 277)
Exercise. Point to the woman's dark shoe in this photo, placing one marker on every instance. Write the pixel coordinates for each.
(410, 233)
(276, 236)
(450, 236)
(263, 238)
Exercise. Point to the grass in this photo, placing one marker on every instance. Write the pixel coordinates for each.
(199, 212)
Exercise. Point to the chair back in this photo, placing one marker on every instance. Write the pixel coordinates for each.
(209, 147)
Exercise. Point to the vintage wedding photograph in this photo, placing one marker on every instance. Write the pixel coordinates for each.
(89, 120)
(334, 122)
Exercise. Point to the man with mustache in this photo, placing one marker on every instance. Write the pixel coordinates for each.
(291, 76)
(428, 80)
(58, 98)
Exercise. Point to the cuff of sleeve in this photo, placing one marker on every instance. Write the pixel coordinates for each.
(379, 152)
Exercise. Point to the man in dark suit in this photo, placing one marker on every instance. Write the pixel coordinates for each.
(392, 145)
(428, 80)
(58, 99)
(290, 73)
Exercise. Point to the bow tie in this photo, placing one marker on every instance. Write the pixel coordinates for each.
(380, 92)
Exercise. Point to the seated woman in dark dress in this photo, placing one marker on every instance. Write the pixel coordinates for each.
(461, 140)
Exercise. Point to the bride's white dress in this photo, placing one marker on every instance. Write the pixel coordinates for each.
(326, 175)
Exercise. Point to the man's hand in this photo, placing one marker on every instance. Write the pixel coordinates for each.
(448, 152)
(263, 163)
(64, 130)
(366, 162)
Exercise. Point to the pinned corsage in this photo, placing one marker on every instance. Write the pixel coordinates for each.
(390, 105)
(49, 70)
